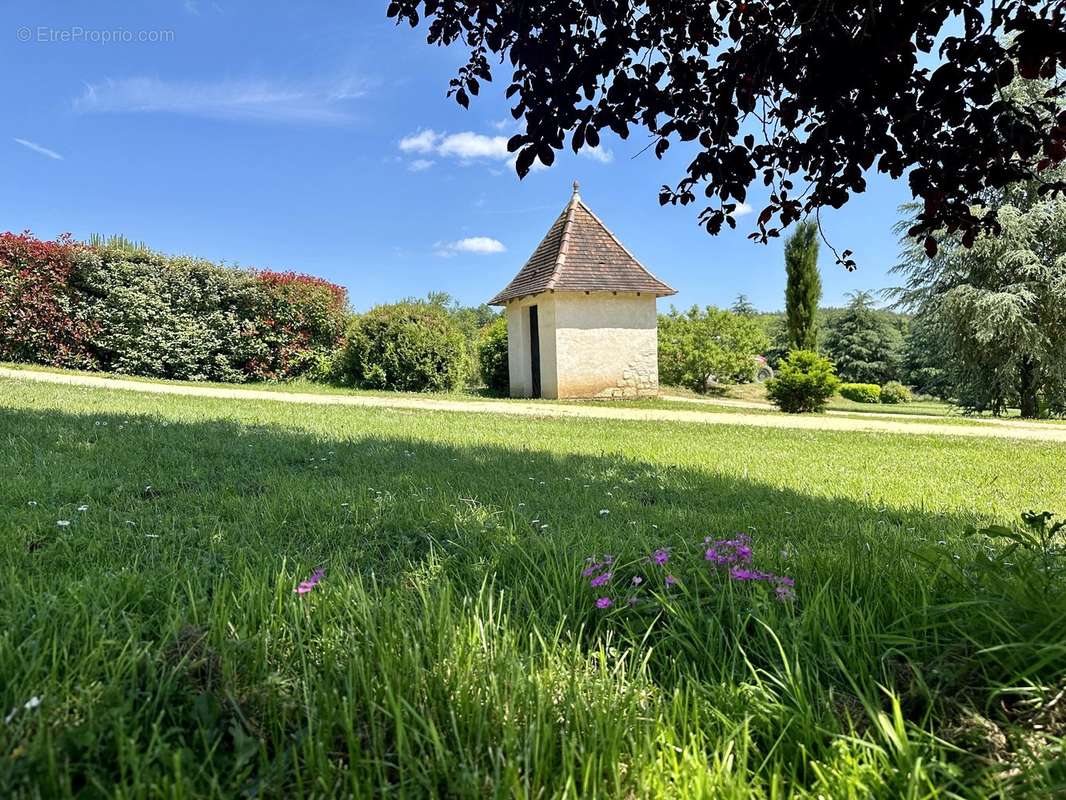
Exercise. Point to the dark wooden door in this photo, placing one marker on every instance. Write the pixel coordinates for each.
(534, 350)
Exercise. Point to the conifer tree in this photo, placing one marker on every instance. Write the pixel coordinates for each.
(864, 343)
(804, 287)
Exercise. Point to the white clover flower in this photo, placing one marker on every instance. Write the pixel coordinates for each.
(83, 508)
(63, 523)
(604, 512)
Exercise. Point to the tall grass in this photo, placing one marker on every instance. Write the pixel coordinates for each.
(452, 648)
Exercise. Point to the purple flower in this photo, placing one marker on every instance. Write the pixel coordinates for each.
(589, 570)
(604, 602)
(601, 579)
(637, 580)
(660, 556)
(743, 574)
(729, 551)
(311, 582)
(670, 581)
(784, 593)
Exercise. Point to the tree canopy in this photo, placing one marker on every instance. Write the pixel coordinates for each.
(803, 96)
(1001, 306)
(709, 346)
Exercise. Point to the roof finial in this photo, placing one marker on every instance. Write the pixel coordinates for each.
(577, 186)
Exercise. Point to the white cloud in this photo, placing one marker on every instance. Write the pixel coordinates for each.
(468, 146)
(44, 151)
(601, 154)
(478, 245)
(464, 146)
(420, 164)
(255, 100)
(741, 210)
(421, 142)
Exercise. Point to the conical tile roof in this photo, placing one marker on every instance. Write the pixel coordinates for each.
(579, 254)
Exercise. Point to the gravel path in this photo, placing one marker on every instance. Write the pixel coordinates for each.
(730, 402)
(1033, 431)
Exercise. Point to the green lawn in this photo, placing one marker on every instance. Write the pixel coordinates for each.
(453, 648)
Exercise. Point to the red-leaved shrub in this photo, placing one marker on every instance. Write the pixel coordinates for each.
(42, 318)
(302, 324)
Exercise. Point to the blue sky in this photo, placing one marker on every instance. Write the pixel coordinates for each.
(317, 137)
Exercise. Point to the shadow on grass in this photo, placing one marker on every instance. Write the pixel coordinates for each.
(447, 567)
(380, 504)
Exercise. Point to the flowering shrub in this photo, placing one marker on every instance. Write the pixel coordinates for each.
(42, 320)
(634, 583)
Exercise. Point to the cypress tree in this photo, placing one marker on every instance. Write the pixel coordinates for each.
(804, 288)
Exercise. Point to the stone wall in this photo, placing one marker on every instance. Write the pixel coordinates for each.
(607, 345)
(600, 344)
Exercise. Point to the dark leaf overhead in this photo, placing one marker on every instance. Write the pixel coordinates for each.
(800, 96)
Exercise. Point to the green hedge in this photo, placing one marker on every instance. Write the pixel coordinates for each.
(124, 308)
(861, 392)
(411, 347)
(492, 355)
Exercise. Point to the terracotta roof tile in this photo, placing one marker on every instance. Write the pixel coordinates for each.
(579, 254)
